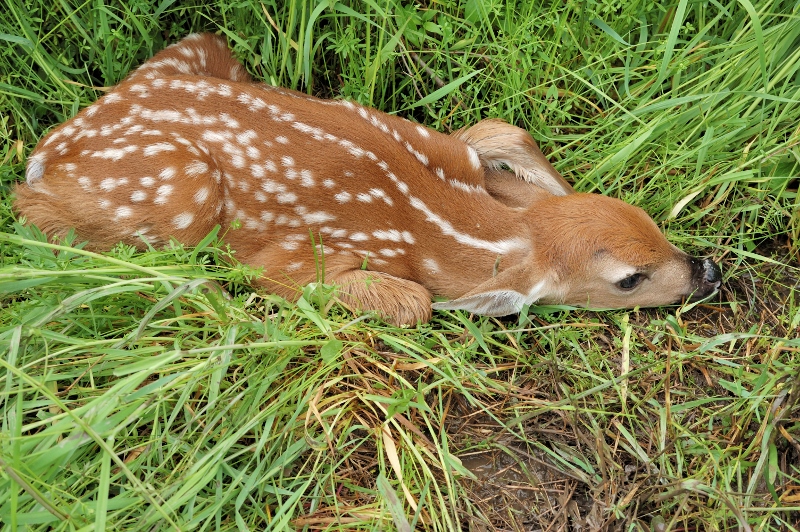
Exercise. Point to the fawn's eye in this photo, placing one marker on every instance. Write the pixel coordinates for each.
(630, 282)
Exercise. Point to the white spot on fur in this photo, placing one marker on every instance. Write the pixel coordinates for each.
(281, 139)
(183, 220)
(89, 133)
(196, 168)
(498, 246)
(431, 265)
(138, 195)
(167, 173)
(421, 157)
(154, 149)
(343, 196)
(423, 131)
(162, 194)
(214, 136)
(389, 234)
(286, 197)
(270, 187)
(53, 136)
(123, 212)
(351, 148)
(318, 217)
(246, 137)
(115, 154)
(140, 90)
(34, 171)
(201, 195)
(473, 158)
(225, 90)
(109, 183)
(147, 181)
(164, 115)
(472, 189)
(379, 193)
(257, 170)
(306, 179)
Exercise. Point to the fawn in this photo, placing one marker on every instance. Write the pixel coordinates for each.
(396, 213)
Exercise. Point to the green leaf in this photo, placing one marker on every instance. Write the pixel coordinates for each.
(394, 504)
(330, 350)
(609, 31)
(444, 91)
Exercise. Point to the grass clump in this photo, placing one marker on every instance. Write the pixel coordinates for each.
(158, 391)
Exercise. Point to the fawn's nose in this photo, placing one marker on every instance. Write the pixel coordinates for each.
(706, 277)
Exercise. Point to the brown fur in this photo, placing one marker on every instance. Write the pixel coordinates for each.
(399, 212)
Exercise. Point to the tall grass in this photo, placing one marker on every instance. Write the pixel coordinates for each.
(150, 391)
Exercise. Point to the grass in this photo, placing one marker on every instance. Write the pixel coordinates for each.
(157, 391)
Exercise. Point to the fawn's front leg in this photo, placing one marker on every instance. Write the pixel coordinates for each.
(398, 301)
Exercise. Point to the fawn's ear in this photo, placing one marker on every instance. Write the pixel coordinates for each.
(505, 293)
(499, 143)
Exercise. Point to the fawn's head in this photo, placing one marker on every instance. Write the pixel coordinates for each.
(606, 253)
(592, 251)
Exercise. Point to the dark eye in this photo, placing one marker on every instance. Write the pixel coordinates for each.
(630, 282)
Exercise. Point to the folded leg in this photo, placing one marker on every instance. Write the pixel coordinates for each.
(398, 301)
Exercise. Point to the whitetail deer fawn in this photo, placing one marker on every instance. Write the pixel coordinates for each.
(399, 213)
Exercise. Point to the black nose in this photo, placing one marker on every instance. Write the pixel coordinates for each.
(713, 275)
(706, 277)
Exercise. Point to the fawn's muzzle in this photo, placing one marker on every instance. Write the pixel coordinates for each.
(706, 276)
